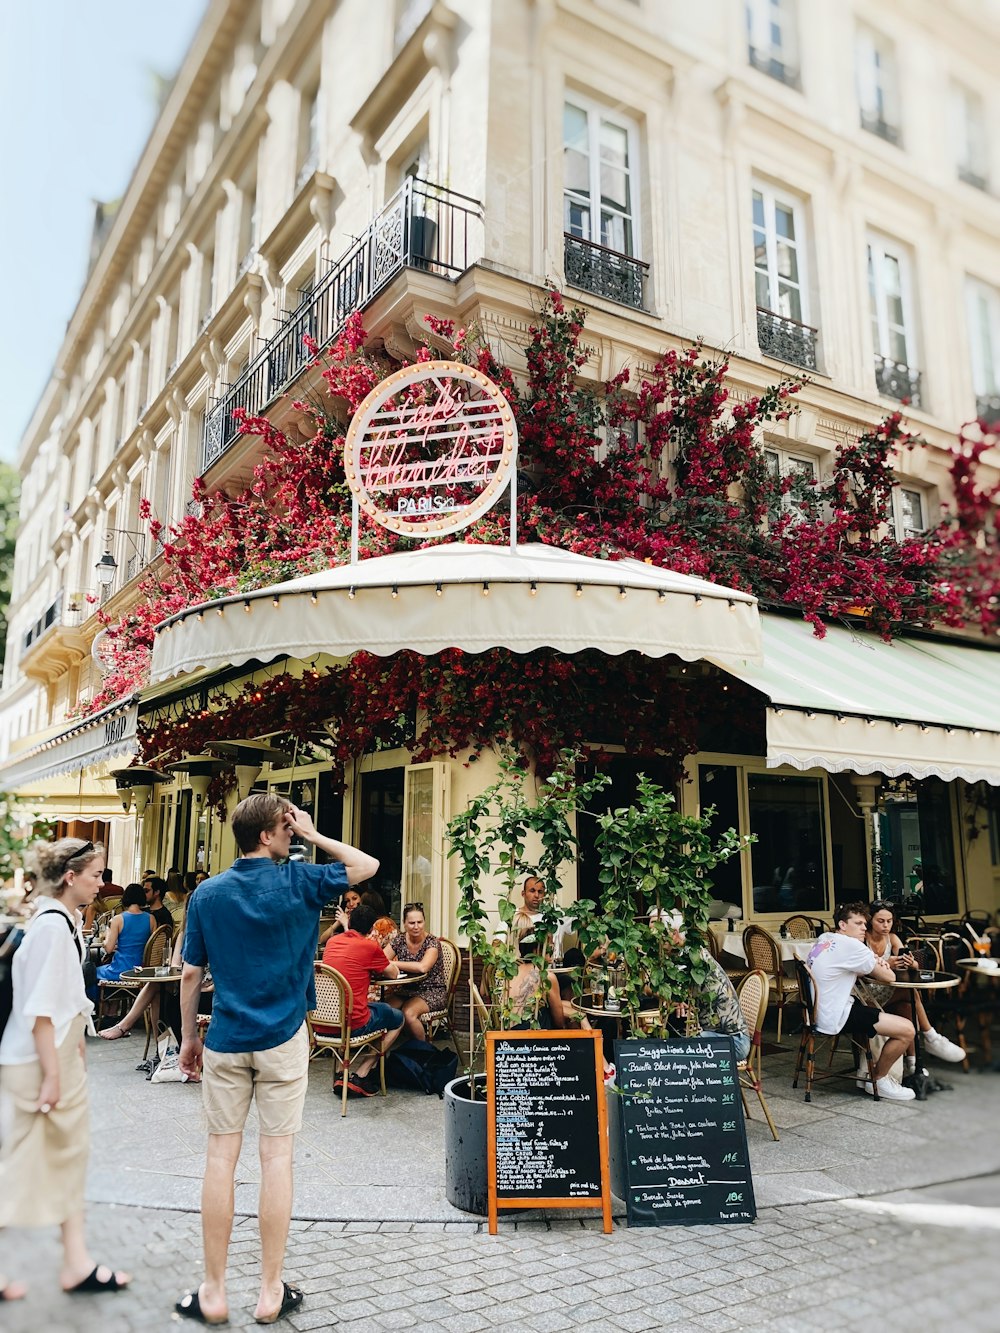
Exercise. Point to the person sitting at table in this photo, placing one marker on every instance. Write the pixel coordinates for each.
(107, 900)
(126, 935)
(418, 954)
(342, 915)
(175, 897)
(715, 1001)
(155, 888)
(888, 949)
(381, 932)
(532, 1004)
(837, 960)
(358, 959)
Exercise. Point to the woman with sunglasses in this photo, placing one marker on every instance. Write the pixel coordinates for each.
(43, 1079)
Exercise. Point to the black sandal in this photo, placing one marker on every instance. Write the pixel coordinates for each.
(189, 1307)
(93, 1283)
(291, 1300)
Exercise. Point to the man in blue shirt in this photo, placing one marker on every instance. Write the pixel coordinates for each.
(256, 926)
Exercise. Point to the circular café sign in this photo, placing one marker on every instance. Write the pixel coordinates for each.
(431, 449)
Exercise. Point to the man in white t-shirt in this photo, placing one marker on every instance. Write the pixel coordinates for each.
(836, 961)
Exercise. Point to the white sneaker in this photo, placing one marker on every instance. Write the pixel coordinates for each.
(942, 1049)
(891, 1091)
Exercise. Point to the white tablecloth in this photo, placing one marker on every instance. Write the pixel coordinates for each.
(731, 942)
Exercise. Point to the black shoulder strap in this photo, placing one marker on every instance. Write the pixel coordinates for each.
(72, 931)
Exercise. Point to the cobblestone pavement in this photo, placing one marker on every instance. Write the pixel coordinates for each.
(820, 1266)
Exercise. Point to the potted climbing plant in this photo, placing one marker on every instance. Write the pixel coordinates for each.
(519, 825)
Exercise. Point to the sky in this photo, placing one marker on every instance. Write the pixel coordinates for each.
(77, 103)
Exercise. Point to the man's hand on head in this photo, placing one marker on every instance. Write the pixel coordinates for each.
(300, 822)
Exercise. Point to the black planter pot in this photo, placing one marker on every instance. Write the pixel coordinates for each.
(465, 1145)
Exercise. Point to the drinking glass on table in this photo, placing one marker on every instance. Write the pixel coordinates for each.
(983, 946)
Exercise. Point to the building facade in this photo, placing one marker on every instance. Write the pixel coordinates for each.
(807, 188)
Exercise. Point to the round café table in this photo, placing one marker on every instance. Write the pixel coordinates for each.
(922, 981)
(156, 976)
(388, 982)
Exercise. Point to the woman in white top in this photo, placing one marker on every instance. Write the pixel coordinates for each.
(44, 1141)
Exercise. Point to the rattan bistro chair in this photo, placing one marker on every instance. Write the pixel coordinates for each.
(753, 992)
(811, 1036)
(798, 927)
(436, 1019)
(330, 1027)
(155, 953)
(764, 954)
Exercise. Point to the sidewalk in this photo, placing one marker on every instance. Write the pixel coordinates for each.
(391, 1253)
(840, 1145)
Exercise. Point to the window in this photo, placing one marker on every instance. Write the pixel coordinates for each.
(308, 135)
(598, 170)
(909, 512)
(799, 469)
(780, 279)
(971, 151)
(893, 339)
(789, 856)
(984, 340)
(877, 92)
(772, 38)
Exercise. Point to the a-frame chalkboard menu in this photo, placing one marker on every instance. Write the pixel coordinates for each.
(546, 1130)
(683, 1136)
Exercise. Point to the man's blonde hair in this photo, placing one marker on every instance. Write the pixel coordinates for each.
(260, 813)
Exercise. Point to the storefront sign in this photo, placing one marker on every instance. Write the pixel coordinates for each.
(431, 449)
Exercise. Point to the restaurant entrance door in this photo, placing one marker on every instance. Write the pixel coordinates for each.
(380, 829)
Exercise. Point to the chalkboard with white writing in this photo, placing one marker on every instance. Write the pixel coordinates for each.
(546, 1121)
(683, 1136)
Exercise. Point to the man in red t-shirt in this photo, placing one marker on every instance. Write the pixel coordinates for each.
(358, 959)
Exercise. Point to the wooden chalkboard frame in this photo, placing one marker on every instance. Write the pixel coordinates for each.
(601, 1201)
(669, 1046)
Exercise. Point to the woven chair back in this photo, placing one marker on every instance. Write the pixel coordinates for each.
(925, 952)
(157, 950)
(761, 950)
(753, 992)
(799, 927)
(714, 948)
(334, 998)
(450, 962)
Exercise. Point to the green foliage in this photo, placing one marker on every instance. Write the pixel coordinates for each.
(652, 856)
(18, 830)
(489, 838)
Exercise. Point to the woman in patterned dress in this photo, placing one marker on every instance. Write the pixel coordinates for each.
(418, 954)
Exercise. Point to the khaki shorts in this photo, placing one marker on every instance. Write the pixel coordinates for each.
(277, 1079)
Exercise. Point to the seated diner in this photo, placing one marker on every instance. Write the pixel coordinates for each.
(358, 959)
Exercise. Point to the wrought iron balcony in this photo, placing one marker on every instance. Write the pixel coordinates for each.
(604, 272)
(896, 380)
(988, 410)
(423, 226)
(786, 339)
(874, 124)
(772, 66)
(52, 615)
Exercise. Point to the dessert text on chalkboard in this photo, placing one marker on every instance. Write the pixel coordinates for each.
(684, 1140)
(547, 1121)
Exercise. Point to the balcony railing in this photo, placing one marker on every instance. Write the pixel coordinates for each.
(896, 380)
(52, 615)
(771, 65)
(988, 410)
(874, 124)
(786, 339)
(604, 272)
(423, 226)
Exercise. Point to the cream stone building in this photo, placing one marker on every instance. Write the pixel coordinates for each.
(807, 187)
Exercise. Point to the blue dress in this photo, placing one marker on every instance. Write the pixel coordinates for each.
(135, 931)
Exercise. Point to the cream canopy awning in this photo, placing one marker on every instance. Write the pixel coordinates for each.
(472, 597)
(88, 743)
(852, 702)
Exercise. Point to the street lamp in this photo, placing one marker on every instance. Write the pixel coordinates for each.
(106, 569)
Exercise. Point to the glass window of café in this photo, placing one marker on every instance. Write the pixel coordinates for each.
(788, 864)
(917, 846)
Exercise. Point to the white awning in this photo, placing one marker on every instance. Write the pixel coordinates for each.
(852, 702)
(472, 597)
(110, 734)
